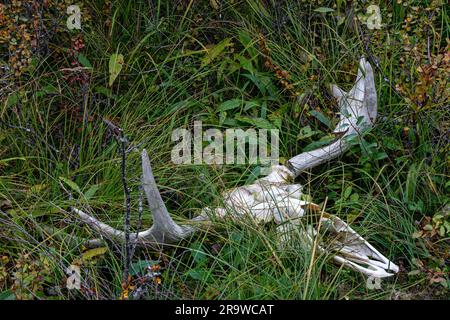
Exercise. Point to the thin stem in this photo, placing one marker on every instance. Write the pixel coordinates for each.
(123, 148)
(313, 253)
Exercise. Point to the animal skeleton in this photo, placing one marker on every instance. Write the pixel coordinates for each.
(274, 198)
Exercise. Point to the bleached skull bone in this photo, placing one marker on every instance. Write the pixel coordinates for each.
(271, 198)
(275, 197)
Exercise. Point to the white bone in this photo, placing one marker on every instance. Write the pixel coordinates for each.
(355, 250)
(358, 112)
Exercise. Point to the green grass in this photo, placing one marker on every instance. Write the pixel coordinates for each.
(167, 83)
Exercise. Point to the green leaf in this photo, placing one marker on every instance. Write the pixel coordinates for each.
(13, 99)
(236, 237)
(92, 253)
(262, 82)
(352, 139)
(215, 51)
(71, 184)
(347, 192)
(276, 118)
(84, 61)
(115, 66)
(380, 156)
(222, 117)
(368, 148)
(306, 132)
(391, 143)
(341, 20)
(354, 197)
(317, 144)
(214, 4)
(324, 10)
(414, 273)
(442, 231)
(7, 295)
(105, 91)
(416, 206)
(44, 211)
(411, 183)
(198, 253)
(230, 122)
(140, 267)
(251, 104)
(230, 104)
(91, 191)
(198, 274)
(247, 42)
(417, 234)
(321, 117)
(49, 89)
(253, 175)
(246, 64)
(256, 122)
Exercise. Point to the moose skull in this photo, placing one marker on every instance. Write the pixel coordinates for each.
(275, 198)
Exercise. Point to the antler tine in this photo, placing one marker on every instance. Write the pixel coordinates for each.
(99, 226)
(361, 101)
(164, 229)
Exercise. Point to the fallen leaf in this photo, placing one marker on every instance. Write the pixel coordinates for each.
(115, 66)
(92, 253)
(214, 4)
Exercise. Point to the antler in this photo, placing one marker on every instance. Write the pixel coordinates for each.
(358, 110)
(163, 231)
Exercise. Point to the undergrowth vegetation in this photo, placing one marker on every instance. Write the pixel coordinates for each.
(149, 67)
